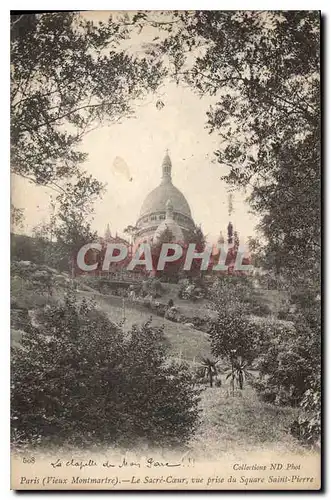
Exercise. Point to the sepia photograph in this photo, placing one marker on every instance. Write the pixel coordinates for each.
(165, 241)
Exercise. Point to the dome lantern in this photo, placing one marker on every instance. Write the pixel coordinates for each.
(166, 168)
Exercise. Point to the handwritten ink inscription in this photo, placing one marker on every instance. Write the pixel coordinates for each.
(148, 462)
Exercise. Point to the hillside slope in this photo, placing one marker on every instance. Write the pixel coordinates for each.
(184, 341)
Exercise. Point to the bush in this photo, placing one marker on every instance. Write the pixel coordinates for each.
(308, 426)
(77, 379)
(290, 364)
(152, 287)
(232, 334)
(285, 315)
(158, 308)
(200, 323)
(172, 314)
(260, 310)
(31, 277)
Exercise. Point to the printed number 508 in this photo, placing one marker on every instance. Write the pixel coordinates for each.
(28, 460)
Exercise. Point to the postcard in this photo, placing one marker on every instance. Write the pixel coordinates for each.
(165, 250)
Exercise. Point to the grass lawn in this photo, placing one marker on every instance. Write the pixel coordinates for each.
(184, 341)
(235, 425)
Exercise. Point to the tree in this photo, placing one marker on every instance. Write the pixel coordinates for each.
(16, 217)
(230, 233)
(221, 240)
(263, 68)
(239, 371)
(233, 335)
(289, 360)
(69, 227)
(209, 369)
(166, 236)
(233, 294)
(25, 248)
(196, 236)
(78, 380)
(132, 231)
(256, 251)
(68, 76)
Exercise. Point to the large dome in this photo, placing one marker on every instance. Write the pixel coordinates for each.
(156, 200)
(153, 210)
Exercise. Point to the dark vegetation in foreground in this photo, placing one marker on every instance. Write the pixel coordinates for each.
(80, 378)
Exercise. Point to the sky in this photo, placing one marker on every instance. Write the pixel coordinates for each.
(127, 157)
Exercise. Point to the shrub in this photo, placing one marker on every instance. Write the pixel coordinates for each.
(170, 303)
(307, 428)
(172, 314)
(290, 365)
(78, 379)
(233, 334)
(200, 323)
(152, 287)
(285, 315)
(31, 277)
(260, 309)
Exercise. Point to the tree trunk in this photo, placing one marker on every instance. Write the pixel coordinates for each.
(232, 378)
(241, 381)
(211, 379)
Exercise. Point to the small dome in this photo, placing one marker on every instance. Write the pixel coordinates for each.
(171, 225)
(169, 205)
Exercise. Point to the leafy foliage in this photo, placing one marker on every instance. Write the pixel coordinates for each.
(209, 369)
(16, 217)
(233, 335)
(68, 76)
(262, 67)
(78, 379)
(290, 367)
(308, 424)
(233, 294)
(171, 269)
(239, 372)
(153, 287)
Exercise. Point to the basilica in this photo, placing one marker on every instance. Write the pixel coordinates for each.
(164, 208)
(165, 217)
